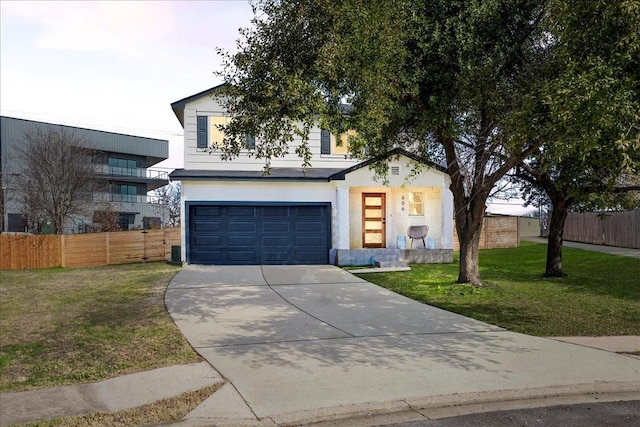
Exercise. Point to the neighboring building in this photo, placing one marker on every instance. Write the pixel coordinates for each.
(334, 213)
(122, 162)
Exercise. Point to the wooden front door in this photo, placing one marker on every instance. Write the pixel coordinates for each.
(373, 220)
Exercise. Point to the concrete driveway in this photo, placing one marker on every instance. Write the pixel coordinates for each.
(295, 340)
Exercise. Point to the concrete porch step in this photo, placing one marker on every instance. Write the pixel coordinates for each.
(388, 261)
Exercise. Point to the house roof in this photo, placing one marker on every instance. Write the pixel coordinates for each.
(392, 153)
(179, 106)
(275, 174)
(293, 174)
(155, 150)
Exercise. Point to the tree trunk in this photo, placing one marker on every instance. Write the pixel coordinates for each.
(469, 271)
(554, 245)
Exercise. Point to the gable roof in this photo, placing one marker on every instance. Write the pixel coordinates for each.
(394, 152)
(293, 174)
(179, 106)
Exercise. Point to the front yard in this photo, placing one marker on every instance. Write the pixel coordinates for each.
(61, 326)
(599, 296)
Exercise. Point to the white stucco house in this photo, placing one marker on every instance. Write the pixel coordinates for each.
(335, 213)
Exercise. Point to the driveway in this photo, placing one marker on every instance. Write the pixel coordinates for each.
(291, 339)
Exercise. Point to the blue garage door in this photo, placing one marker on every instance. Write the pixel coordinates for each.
(248, 235)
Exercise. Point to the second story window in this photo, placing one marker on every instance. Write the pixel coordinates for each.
(329, 143)
(209, 135)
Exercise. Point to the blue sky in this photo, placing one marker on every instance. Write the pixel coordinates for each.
(114, 66)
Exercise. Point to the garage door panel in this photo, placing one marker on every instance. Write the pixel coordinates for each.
(207, 211)
(310, 211)
(237, 211)
(309, 257)
(308, 241)
(247, 241)
(208, 240)
(243, 256)
(207, 257)
(241, 227)
(276, 257)
(309, 227)
(283, 227)
(279, 241)
(202, 225)
(277, 211)
(244, 235)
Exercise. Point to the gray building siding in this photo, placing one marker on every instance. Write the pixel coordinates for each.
(145, 152)
(156, 150)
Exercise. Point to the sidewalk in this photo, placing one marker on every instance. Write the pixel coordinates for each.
(134, 390)
(125, 392)
(612, 250)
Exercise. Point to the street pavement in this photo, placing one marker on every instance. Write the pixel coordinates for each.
(312, 343)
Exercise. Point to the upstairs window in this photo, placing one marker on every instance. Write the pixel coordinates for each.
(203, 140)
(208, 133)
(329, 143)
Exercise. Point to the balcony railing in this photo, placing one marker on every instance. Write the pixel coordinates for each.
(124, 198)
(130, 172)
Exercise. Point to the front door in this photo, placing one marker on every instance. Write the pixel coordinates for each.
(373, 220)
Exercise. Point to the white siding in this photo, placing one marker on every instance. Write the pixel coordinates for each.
(195, 158)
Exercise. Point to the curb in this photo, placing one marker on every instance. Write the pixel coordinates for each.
(431, 408)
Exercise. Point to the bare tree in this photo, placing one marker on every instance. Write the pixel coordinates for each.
(57, 179)
(169, 196)
(105, 218)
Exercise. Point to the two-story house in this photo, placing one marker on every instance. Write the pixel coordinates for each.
(335, 213)
(122, 163)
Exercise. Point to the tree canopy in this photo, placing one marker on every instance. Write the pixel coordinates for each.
(587, 112)
(456, 79)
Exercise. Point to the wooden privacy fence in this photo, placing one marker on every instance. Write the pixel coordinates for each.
(620, 229)
(19, 251)
(497, 232)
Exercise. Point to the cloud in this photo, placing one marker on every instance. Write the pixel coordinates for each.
(126, 26)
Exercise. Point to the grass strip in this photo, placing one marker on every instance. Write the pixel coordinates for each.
(600, 295)
(64, 326)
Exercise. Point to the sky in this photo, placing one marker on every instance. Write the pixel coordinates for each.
(113, 65)
(118, 65)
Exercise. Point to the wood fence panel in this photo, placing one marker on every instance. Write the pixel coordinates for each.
(583, 227)
(126, 246)
(502, 232)
(19, 251)
(84, 250)
(173, 238)
(620, 229)
(497, 232)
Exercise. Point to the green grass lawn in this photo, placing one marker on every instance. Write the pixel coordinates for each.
(599, 296)
(61, 326)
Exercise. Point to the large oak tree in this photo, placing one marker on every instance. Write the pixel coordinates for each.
(480, 85)
(587, 112)
(435, 76)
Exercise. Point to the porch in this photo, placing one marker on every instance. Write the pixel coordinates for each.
(368, 257)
